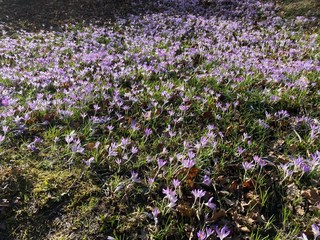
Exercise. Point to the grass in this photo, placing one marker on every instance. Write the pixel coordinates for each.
(310, 8)
(207, 128)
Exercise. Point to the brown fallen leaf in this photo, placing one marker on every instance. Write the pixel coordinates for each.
(313, 195)
(90, 146)
(228, 201)
(216, 216)
(222, 180)
(300, 211)
(240, 222)
(190, 176)
(293, 148)
(186, 211)
(229, 130)
(244, 229)
(234, 186)
(207, 115)
(248, 184)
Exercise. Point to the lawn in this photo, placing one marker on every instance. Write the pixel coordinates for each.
(190, 120)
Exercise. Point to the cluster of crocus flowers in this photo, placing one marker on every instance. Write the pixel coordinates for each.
(220, 233)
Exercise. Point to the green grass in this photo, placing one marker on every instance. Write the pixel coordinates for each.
(48, 191)
(294, 8)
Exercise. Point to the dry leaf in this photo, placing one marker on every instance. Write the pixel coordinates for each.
(293, 148)
(186, 210)
(300, 211)
(233, 186)
(229, 130)
(221, 180)
(189, 231)
(244, 229)
(191, 175)
(216, 216)
(207, 115)
(66, 85)
(90, 146)
(229, 202)
(157, 112)
(49, 116)
(248, 184)
(313, 195)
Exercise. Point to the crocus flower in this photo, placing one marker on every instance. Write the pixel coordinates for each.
(315, 230)
(5, 129)
(223, 233)
(176, 183)
(155, 213)
(134, 150)
(207, 180)
(209, 231)
(247, 165)
(210, 204)
(198, 193)
(171, 196)
(161, 163)
(303, 237)
(259, 161)
(2, 138)
(134, 177)
(201, 235)
(147, 132)
(89, 161)
(187, 163)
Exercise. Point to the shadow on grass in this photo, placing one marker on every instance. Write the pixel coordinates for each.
(308, 8)
(35, 15)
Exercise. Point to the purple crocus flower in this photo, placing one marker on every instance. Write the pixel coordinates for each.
(5, 101)
(89, 161)
(209, 231)
(187, 163)
(315, 230)
(147, 132)
(69, 139)
(247, 165)
(125, 142)
(134, 150)
(259, 161)
(223, 233)
(210, 204)
(161, 163)
(201, 235)
(2, 138)
(5, 129)
(206, 180)
(303, 237)
(183, 108)
(155, 213)
(171, 196)
(240, 150)
(76, 148)
(176, 183)
(198, 193)
(134, 177)
(305, 167)
(151, 181)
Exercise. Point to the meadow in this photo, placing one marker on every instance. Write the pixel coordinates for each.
(193, 120)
